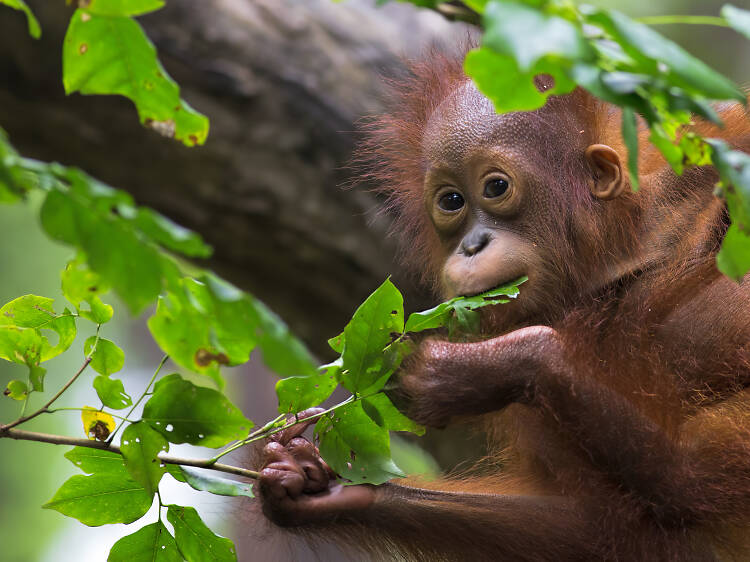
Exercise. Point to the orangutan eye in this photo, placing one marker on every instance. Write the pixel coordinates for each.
(495, 188)
(452, 201)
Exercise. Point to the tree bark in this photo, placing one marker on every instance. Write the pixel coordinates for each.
(283, 83)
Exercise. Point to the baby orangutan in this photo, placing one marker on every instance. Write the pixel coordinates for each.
(616, 387)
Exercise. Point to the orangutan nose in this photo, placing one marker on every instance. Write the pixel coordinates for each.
(475, 242)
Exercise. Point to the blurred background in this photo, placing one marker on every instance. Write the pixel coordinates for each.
(284, 83)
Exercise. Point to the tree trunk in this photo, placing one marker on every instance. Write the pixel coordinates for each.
(283, 83)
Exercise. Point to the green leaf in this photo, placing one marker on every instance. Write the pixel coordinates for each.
(34, 30)
(185, 413)
(197, 543)
(648, 47)
(107, 358)
(208, 322)
(368, 332)
(355, 446)
(630, 136)
(598, 82)
(170, 235)
(204, 481)
(112, 55)
(152, 543)
(738, 19)
(123, 7)
(17, 390)
(520, 43)
(77, 218)
(36, 378)
(100, 499)
(140, 447)
(97, 461)
(672, 153)
(299, 393)
(498, 77)
(282, 351)
(112, 393)
(29, 311)
(21, 322)
(337, 343)
(413, 459)
(734, 170)
(80, 284)
(440, 315)
(733, 259)
(528, 35)
(391, 418)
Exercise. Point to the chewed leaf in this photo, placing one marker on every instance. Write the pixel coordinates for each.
(94, 64)
(368, 333)
(17, 390)
(80, 284)
(112, 392)
(441, 315)
(21, 323)
(357, 447)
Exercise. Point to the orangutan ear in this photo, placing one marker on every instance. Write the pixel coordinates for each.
(608, 180)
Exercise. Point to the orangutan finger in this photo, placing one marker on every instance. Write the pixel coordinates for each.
(309, 460)
(298, 429)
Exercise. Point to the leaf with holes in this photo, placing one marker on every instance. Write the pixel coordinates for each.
(140, 447)
(112, 393)
(185, 413)
(21, 323)
(355, 446)
(368, 332)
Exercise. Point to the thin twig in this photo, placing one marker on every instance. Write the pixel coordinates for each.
(140, 399)
(104, 446)
(45, 408)
(257, 437)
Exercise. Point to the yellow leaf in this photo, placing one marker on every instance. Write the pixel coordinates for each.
(96, 424)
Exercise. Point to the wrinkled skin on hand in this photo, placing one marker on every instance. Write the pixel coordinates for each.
(297, 487)
(444, 379)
